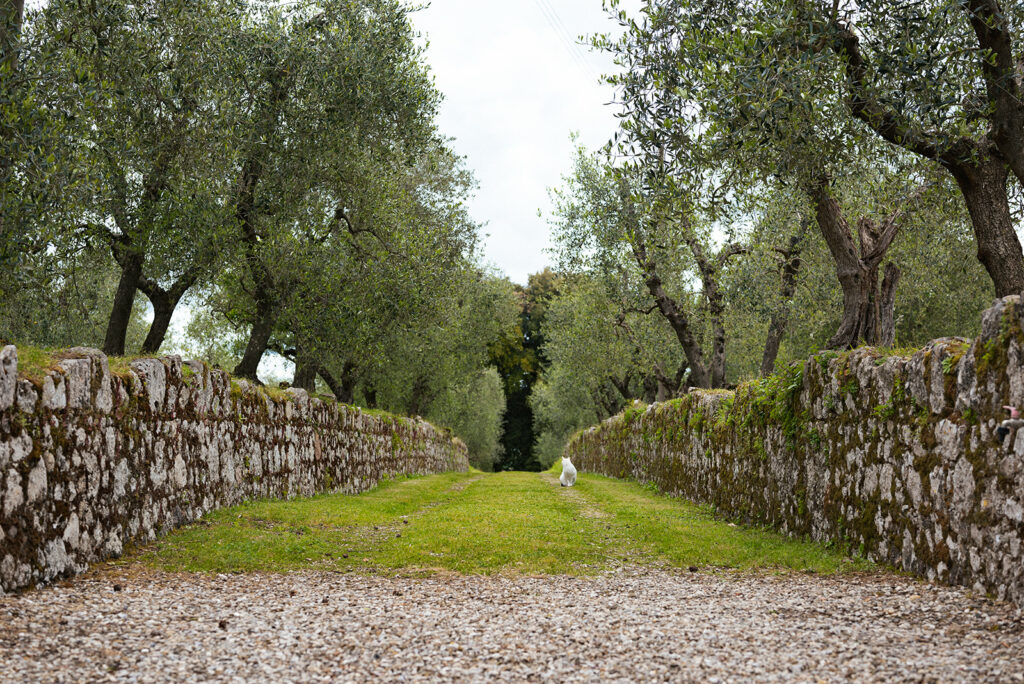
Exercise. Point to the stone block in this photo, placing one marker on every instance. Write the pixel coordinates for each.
(55, 392)
(78, 383)
(14, 497)
(153, 375)
(8, 376)
(36, 482)
(27, 396)
(72, 533)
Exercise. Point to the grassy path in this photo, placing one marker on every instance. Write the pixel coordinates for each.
(480, 523)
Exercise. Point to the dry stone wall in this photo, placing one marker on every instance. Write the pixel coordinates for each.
(897, 458)
(90, 460)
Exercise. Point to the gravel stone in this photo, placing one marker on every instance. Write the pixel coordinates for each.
(631, 625)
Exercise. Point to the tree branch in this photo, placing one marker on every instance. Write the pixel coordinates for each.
(883, 121)
(729, 251)
(890, 227)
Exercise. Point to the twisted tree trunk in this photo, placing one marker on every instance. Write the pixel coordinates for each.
(868, 312)
(983, 186)
(164, 302)
(305, 370)
(163, 310)
(259, 337)
(344, 388)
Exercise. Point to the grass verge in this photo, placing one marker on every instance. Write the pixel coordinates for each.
(684, 534)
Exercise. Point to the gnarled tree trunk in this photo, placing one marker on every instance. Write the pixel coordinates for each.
(868, 313)
(709, 270)
(886, 308)
(344, 387)
(305, 371)
(163, 310)
(259, 337)
(164, 302)
(674, 314)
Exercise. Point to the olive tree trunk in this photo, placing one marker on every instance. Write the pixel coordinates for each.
(984, 189)
(868, 311)
(791, 263)
(124, 299)
(343, 388)
(305, 371)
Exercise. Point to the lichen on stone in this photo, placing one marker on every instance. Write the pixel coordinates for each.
(890, 455)
(100, 459)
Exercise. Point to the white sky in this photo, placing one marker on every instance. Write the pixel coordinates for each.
(516, 85)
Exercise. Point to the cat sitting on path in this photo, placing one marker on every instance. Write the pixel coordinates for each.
(568, 477)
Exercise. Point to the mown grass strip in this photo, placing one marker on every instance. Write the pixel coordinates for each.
(314, 532)
(479, 523)
(684, 534)
(505, 522)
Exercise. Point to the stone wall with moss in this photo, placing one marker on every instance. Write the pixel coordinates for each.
(92, 460)
(894, 457)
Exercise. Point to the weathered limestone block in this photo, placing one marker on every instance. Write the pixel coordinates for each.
(8, 376)
(78, 381)
(54, 393)
(918, 369)
(15, 496)
(72, 534)
(943, 353)
(27, 396)
(36, 482)
(153, 375)
(1015, 374)
(963, 488)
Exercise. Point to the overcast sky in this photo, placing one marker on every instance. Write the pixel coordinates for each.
(516, 85)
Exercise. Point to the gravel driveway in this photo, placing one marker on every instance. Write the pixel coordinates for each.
(633, 625)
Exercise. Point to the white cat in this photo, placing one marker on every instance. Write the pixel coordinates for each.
(568, 477)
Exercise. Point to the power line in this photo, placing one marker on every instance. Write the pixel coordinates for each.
(555, 24)
(567, 37)
(572, 40)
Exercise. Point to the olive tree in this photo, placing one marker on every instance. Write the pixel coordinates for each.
(340, 93)
(726, 102)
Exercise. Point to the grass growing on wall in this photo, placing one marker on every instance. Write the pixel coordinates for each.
(35, 364)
